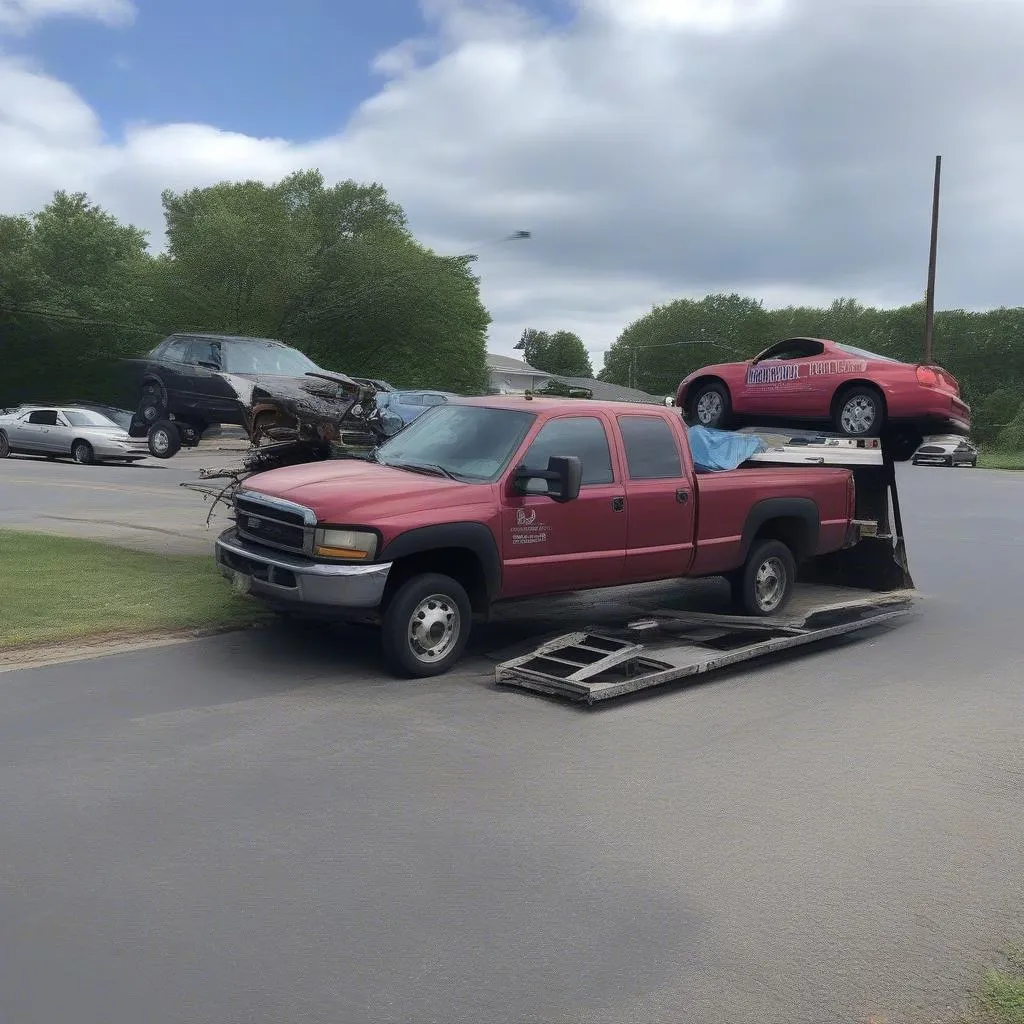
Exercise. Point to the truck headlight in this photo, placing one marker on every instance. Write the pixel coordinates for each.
(359, 545)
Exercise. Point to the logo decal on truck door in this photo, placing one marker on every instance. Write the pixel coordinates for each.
(527, 530)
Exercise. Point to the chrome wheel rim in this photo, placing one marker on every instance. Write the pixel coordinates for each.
(709, 406)
(770, 583)
(81, 455)
(858, 415)
(434, 628)
(161, 441)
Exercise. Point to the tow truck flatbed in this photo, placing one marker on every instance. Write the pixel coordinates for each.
(670, 644)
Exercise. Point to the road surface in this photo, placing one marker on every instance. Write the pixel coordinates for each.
(265, 827)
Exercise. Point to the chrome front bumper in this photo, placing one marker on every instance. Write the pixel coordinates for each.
(284, 579)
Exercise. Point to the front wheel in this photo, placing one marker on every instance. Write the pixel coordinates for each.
(711, 406)
(768, 579)
(426, 625)
(81, 452)
(5, 446)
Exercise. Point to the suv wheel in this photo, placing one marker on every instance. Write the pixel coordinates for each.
(767, 580)
(426, 625)
(164, 440)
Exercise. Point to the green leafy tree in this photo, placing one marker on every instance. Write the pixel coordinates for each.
(561, 352)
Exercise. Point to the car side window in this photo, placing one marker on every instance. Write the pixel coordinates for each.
(205, 352)
(582, 436)
(44, 417)
(176, 350)
(651, 449)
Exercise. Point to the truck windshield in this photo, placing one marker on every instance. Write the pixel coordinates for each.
(469, 442)
(273, 360)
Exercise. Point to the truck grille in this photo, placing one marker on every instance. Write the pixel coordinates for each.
(275, 523)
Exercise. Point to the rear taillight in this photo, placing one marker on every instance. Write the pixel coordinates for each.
(937, 378)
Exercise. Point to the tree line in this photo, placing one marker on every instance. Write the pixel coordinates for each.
(333, 271)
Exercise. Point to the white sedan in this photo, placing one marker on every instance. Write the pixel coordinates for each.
(84, 435)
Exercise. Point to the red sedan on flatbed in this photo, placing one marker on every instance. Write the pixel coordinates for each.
(817, 381)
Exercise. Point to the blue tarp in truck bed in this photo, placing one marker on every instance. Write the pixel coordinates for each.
(717, 450)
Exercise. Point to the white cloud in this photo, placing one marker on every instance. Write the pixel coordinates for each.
(20, 15)
(781, 149)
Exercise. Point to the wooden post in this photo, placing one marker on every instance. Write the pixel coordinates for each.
(929, 307)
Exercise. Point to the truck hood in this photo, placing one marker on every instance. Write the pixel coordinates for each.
(354, 492)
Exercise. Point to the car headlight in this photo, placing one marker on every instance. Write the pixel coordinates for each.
(358, 545)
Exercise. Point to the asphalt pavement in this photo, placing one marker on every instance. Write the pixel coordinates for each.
(265, 827)
(139, 506)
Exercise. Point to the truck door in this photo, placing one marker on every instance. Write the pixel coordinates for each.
(659, 500)
(549, 547)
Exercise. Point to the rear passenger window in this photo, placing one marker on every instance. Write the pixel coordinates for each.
(582, 436)
(651, 450)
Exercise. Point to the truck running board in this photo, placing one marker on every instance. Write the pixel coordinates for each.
(671, 645)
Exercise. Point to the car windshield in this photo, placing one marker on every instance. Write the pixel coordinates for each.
(87, 418)
(470, 442)
(864, 354)
(274, 360)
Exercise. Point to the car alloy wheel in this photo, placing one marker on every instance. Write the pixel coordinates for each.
(82, 453)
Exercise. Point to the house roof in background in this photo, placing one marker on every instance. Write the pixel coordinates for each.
(508, 364)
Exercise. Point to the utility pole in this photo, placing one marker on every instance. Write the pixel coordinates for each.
(929, 301)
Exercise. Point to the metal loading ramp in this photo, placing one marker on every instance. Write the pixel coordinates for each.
(669, 645)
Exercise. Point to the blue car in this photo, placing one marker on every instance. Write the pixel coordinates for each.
(399, 408)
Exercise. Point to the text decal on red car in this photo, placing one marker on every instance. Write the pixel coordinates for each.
(782, 372)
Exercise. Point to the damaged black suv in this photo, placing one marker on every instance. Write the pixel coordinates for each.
(190, 381)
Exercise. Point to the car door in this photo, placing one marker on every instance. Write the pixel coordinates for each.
(549, 546)
(173, 371)
(210, 395)
(781, 382)
(659, 500)
(35, 431)
(61, 435)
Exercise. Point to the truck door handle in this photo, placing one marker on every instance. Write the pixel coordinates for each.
(618, 504)
(682, 495)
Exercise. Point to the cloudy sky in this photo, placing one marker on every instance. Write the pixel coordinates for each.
(654, 148)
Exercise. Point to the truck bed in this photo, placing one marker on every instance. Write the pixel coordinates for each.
(672, 644)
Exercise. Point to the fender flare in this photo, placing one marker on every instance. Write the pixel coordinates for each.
(764, 511)
(474, 537)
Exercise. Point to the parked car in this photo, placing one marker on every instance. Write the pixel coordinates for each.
(82, 434)
(399, 408)
(952, 452)
(817, 381)
(488, 499)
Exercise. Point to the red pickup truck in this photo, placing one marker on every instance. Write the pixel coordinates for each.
(491, 499)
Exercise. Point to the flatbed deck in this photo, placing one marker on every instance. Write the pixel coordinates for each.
(671, 644)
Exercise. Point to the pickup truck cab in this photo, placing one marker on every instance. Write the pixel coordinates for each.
(493, 499)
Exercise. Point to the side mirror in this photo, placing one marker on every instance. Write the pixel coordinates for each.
(563, 476)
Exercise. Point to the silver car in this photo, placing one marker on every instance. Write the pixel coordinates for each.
(940, 451)
(84, 435)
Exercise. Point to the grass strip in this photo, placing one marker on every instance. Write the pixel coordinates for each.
(58, 589)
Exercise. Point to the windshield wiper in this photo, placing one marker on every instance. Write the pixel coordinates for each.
(422, 467)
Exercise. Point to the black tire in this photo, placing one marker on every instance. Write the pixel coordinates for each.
(859, 412)
(751, 596)
(441, 603)
(5, 446)
(189, 433)
(710, 405)
(82, 453)
(152, 403)
(163, 440)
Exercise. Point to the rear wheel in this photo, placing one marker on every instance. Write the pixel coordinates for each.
(426, 625)
(767, 581)
(81, 452)
(859, 412)
(5, 446)
(152, 402)
(710, 406)
(164, 440)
